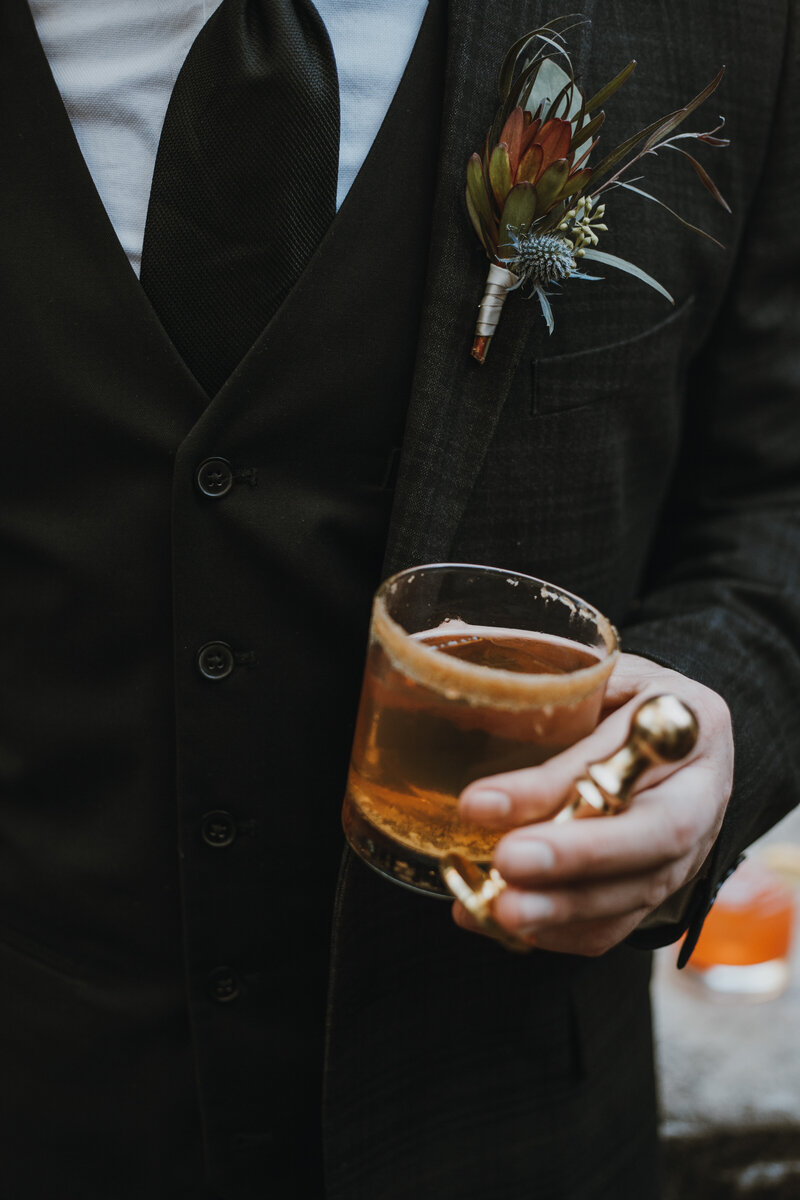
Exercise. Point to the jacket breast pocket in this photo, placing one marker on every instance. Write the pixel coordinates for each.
(644, 366)
(584, 453)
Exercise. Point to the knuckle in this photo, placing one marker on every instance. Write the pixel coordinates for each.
(520, 812)
(683, 838)
(527, 807)
(592, 854)
(680, 833)
(657, 889)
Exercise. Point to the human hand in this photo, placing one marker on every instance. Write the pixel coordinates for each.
(583, 886)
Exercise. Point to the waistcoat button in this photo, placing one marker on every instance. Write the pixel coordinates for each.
(223, 986)
(218, 828)
(215, 660)
(214, 477)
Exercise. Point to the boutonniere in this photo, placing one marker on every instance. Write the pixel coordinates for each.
(534, 199)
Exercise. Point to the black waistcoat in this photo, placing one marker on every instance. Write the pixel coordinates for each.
(185, 597)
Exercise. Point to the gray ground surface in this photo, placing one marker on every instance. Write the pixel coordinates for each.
(730, 1083)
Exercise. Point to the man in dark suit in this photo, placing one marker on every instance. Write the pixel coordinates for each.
(186, 589)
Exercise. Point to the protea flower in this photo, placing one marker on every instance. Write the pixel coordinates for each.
(531, 195)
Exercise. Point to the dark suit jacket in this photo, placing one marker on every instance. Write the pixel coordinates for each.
(648, 459)
(645, 456)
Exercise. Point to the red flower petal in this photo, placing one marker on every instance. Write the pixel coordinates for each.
(554, 138)
(512, 136)
(530, 164)
(529, 135)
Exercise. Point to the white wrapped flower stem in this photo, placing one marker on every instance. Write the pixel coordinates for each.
(498, 284)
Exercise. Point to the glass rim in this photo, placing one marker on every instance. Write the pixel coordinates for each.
(478, 684)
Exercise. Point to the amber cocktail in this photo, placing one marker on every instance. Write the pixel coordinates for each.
(470, 671)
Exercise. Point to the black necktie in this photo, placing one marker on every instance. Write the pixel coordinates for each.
(245, 179)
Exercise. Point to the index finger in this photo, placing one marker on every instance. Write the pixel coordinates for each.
(516, 798)
(675, 818)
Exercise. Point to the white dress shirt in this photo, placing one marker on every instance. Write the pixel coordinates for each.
(115, 63)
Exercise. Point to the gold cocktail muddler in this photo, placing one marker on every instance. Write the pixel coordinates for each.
(663, 729)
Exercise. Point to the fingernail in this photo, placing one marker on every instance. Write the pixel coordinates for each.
(533, 906)
(525, 857)
(486, 804)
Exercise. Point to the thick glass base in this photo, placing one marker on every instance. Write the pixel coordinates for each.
(409, 868)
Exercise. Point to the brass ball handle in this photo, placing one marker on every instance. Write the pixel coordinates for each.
(663, 729)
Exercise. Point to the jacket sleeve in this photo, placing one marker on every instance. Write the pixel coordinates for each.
(722, 599)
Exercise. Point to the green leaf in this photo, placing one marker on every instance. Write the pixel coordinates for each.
(522, 54)
(477, 224)
(578, 162)
(547, 311)
(551, 220)
(588, 130)
(562, 106)
(500, 174)
(704, 177)
(599, 98)
(606, 164)
(558, 41)
(622, 264)
(558, 26)
(687, 224)
(550, 184)
(674, 119)
(518, 213)
(520, 92)
(708, 138)
(510, 61)
(476, 187)
(579, 120)
(514, 98)
(552, 83)
(576, 183)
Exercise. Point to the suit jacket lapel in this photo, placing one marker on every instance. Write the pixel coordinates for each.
(456, 403)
